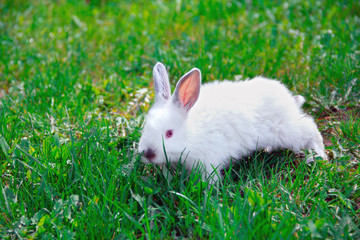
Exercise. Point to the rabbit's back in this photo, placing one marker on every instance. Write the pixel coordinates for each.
(259, 98)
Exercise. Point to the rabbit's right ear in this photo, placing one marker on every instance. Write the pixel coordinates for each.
(161, 83)
(187, 90)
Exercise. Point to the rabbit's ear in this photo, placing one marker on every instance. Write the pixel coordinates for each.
(187, 89)
(161, 83)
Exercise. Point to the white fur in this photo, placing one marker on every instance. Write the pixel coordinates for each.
(229, 120)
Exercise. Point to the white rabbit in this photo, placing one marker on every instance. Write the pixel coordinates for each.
(220, 121)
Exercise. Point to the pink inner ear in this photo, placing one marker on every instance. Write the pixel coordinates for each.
(189, 90)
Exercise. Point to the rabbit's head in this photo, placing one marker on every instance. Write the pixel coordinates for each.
(165, 131)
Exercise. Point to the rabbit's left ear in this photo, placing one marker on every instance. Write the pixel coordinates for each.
(187, 89)
(161, 83)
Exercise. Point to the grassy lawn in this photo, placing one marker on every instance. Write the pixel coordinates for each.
(76, 82)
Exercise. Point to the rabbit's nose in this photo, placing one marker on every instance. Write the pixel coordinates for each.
(149, 154)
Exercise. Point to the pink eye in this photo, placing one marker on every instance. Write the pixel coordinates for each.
(169, 133)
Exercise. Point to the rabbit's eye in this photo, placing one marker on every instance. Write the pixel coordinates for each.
(169, 133)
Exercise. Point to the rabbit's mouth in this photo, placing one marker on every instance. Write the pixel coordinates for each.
(149, 156)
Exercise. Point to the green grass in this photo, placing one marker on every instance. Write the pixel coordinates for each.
(75, 83)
